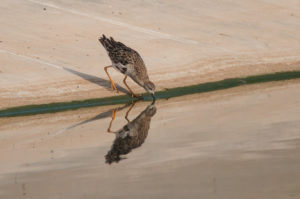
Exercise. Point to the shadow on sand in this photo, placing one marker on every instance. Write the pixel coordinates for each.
(96, 80)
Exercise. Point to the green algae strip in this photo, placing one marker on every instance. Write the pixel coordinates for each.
(166, 94)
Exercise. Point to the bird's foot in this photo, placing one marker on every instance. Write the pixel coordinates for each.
(115, 90)
(136, 96)
(113, 87)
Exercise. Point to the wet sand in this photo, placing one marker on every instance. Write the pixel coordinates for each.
(235, 143)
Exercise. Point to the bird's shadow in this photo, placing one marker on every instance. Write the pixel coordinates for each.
(96, 80)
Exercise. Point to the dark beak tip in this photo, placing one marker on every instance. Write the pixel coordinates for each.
(153, 96)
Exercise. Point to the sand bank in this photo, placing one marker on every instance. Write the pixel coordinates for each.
(49, 50)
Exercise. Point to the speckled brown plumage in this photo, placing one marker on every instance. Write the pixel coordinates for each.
(131, 136)
(128, 62)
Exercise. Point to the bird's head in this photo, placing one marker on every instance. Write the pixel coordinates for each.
(150, 87)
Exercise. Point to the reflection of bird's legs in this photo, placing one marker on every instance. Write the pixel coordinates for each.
(112, 119)
(131, 92)
(112, 84)
(127, 113)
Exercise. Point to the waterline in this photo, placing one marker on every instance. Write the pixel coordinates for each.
(166, 94)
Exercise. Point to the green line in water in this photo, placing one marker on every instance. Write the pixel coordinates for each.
(169, 93)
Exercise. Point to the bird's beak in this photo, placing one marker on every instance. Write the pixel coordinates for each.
(153, 96)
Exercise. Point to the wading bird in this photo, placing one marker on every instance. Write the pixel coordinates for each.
(128, 62)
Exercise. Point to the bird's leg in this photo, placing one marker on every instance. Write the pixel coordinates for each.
(127, 113)
(112, 84)
(131, 92)
(112, 119)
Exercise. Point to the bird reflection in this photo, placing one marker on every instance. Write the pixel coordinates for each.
(132, 135)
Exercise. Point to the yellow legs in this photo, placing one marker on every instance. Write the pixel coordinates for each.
(112, 119)
(112, 84)
(131, 92)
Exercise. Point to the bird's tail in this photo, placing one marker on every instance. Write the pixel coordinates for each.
(108, 43)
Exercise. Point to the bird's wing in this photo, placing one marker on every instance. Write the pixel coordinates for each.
(119, 52)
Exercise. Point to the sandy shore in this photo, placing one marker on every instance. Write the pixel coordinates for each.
(49, 50)
(236, 143)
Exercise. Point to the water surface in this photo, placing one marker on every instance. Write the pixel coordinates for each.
(238, 144)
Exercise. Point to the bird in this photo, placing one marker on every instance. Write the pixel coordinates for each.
(127, 61)
(130, 136)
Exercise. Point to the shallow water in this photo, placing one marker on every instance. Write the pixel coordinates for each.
(238, 144)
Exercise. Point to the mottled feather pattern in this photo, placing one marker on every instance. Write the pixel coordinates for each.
(120, 54)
